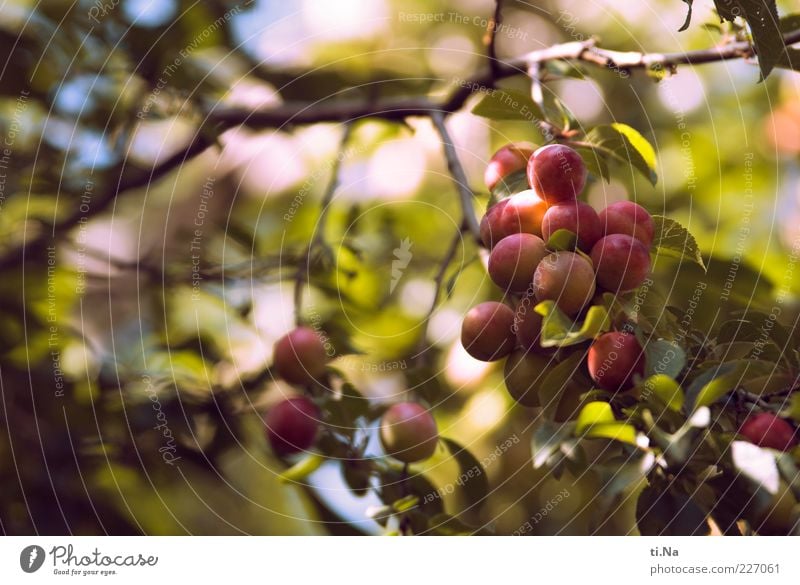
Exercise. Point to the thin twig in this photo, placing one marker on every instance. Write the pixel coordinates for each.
(133, 180)
(490, 38)
(296, 114)
(458, 175)
(318, 239)
(438, 281)
(333, 185)
(537, 92)
(583, 51)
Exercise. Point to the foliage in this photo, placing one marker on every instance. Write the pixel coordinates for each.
(163, 229)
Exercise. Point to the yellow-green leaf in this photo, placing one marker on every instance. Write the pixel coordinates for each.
(665, 389)
(592, 414)
(303, 468)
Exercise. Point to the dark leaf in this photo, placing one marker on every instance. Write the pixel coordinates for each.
(596, 161)
(547, 439)
(762, 18)
(508, 104)
(473, 480)
(559, 380)
(688, 20)
(664, 357)
(666, 513)
(511, 184)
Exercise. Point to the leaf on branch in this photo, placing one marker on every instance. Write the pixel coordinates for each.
(714, 384)
(680, 445)
(615, 478)
(666, 513)
(665, 389)
(508, 104)
(789, 59)
(673, 240)
(511, 184)
(546, 441)
(626, 145)
(596, 421)
(561, 240)
(558, 330)
(762, 18)
(792, 410)
(564, 69)
(790, 23)
(473, 478)
(594, 413)
(664, 357)
(688, 16)
(302, 469)
(560, 380)
(596, 161)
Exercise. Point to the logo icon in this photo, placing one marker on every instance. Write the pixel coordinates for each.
(31, 558)
(402, 255)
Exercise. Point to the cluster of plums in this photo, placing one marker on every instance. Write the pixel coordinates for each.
(408, 431)
(612, 253)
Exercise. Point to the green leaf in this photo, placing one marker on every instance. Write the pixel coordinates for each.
(673, 240)
(508, 104)
(681, 445)
(558, 330)
(473, 479)
(627, 145)
(666, 513)
(405, 504)
(562, 240)
(303, 468)
(789, 472)
(594, 413)
(564, 69)
(664, 357)
(615, 478)
(596, 421)
(546, 441)
(596, 161)
(762, 18)
(665, 389)
(556, 111)
(446, 525)
(792, 410)
(720, 385)
(688, 20)
(789, 59)
(558, 380)
(789, 23)
(511, 184)
(616, 431)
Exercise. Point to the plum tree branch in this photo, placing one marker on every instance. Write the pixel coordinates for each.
(438, 282)
(318, 239)
(224, 117)
(469, 219)
(490, 38)
(577, 51)
(135, 179)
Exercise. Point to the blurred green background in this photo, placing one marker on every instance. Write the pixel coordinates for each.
(162, 306)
